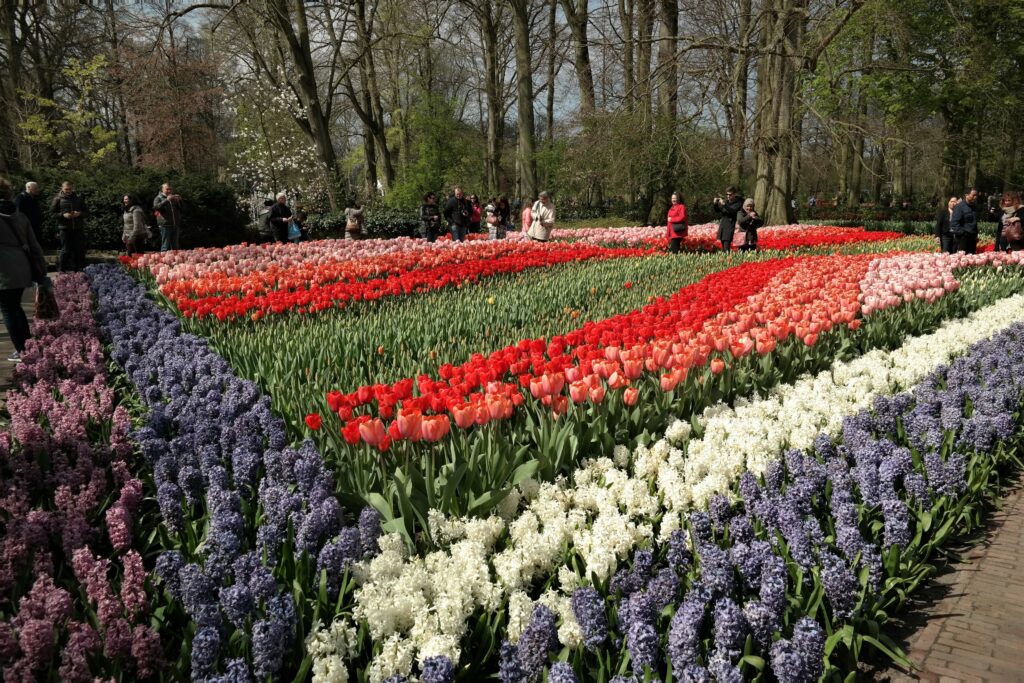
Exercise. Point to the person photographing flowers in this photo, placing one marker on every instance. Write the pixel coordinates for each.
(728, 209)
(677, 225)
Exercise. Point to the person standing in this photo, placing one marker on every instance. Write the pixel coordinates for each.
(728, 210)
(495, 224)
(947, 242)
(527, 216)
(458, 212)
(963, 224)
(430, 217)
(167, 207)
(677, 226)
(69, 208)
(748, 222)
(135, 231)
(353, 220)
(280, 217)
(27, 202)
(1010, 224)
(542, 218)
(505, 213)
(21, 263)
(475, 214)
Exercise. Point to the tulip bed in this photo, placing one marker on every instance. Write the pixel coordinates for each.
(695, 467)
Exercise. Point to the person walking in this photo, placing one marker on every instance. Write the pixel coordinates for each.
(527, 215)
(542, 216)
(475, 214)
(69, 208)
(430, 217)
(947, 242)
(748, 222)
(353, 220)
(728, 209)
(21, 263)
(167, 207)
(458, 212)
(495, 224)
(27, 202)
(135, 230)
(677, 226)
(280, 217)
(963, 224)
(1010, 229)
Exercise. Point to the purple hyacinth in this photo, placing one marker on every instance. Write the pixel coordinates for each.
(730, 628)
(897, 523)
(589, 609)
(439, 669)
(237, 602)
(809, 641)
(168, 566)
(369, 531)
(716, 569)
(795, 532)
(841, 586)
(628, 581)
(722, 670)
(917, 488)
(741, 530)
(692, 673)
(539, 638)
(510, 670)
(774, 475)
(679, 557)
(642, 641)
(560, 673)
(763, 621)
(205, 652)
(773, 582)
(787, 664)
(684, 634)
(700, 525)
(663, 588)
(721, 511)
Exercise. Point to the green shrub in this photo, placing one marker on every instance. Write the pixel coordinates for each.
(211, 217)
(378, 221)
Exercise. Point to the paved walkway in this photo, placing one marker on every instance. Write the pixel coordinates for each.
(975, 629)
(7, 347)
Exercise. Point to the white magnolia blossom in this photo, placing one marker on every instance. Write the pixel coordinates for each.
(418, 607)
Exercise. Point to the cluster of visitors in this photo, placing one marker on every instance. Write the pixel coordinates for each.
(735, 213)
(956, 225)
(462, 213)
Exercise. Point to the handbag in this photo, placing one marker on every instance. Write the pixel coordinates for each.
(294, 233)
(1012, 231)
(679, 229)
(46, 304)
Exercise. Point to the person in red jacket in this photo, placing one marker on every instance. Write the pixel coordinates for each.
(677, 226)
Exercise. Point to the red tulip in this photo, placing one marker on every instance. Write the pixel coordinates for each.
(632, 369)
(717, 366)
(578, 391)
(313, 421)
(811, 339)
(630, 396)
(559, 404)
(597, 394)
(617, 381)
(465, 415)
(435, 427)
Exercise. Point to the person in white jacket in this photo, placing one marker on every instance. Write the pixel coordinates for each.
(543, 213)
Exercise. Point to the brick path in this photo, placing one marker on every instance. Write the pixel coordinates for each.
(976, 631)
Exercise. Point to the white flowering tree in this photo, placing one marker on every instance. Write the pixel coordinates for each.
(269, 154)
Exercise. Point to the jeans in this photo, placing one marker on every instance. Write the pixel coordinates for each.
(72, 250)
(14, 317)
(168, 237)
(458, 233)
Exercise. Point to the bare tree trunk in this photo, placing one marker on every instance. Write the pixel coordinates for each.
(643, 67)
(577, 17)
(492, 85)
(737, 108)
(124, 138)
(552, 69)
(668, 96)
(364, 28)
(524, 93)
(628, 82)
(297, 39)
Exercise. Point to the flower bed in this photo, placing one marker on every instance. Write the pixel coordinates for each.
(703, 237)
(70, 505)
(569, 540)
(248, 516)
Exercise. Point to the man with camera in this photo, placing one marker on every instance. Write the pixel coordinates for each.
(728, 210)
(69, 208)
(458, 212)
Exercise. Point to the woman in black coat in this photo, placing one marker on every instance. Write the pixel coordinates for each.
(728, 210)
(947, 243)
